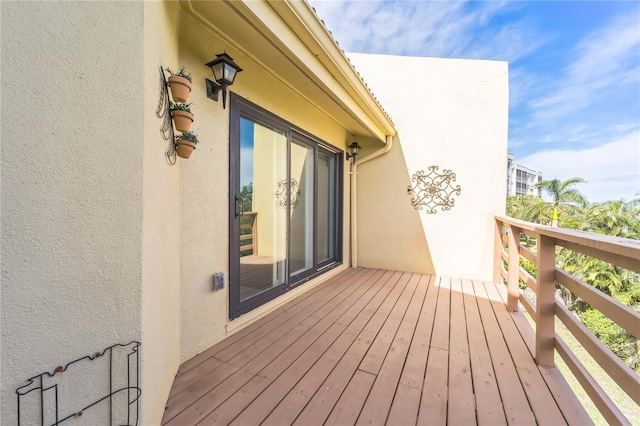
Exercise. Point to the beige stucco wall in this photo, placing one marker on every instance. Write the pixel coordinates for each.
(452, 114)
(72, 148)
(161, 226)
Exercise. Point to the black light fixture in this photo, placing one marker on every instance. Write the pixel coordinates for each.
(224, 71)
(353, 151)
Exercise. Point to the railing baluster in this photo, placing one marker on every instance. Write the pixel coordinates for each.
(545, 301)
(514, 269)
(497, 250)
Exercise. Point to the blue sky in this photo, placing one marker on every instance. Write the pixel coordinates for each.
(574, 73)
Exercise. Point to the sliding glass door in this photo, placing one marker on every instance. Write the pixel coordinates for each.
(284, 207)
(263, 166)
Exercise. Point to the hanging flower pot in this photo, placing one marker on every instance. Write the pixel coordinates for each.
(185, 144)
(182, 116)
(180, 85)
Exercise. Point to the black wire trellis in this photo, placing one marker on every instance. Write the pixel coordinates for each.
(163, 111)
(433, 190)
(133, 390)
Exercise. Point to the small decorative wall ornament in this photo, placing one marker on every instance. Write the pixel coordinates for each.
(293, 191)
(433, 189)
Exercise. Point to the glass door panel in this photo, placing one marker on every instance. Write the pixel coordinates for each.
(326, 208)
(263, 223)
(301, 207)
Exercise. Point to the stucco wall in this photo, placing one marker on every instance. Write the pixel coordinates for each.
(452, 114)
(161, 226)
(72, 91)
(205, 181)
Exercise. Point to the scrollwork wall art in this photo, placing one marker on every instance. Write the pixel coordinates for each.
(292, 191)
(433, 190)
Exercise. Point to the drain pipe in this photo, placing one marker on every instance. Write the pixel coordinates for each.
(354, 173)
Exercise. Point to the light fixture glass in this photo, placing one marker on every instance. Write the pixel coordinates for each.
(224, 71)
(354, 148)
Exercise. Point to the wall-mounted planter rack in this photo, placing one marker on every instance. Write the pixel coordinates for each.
(180, 90)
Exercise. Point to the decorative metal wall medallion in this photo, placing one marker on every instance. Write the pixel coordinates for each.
(287, 196)
(433, 189)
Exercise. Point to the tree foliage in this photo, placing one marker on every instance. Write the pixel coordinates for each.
(615, 337)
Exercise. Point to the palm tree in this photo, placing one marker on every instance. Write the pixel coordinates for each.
(615, 218)
(563, 196)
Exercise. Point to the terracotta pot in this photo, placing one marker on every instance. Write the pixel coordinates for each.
(182, 120)
(180, 88)
(184, 148)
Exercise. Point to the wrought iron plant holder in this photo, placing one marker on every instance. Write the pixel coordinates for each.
(433, 190)
(40, 399)
(163, 111)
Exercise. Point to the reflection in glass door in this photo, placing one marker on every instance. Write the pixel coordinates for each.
(301, 196)
(263, 224)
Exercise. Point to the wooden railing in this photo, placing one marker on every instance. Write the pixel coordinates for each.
(249, 220)
(621, 252)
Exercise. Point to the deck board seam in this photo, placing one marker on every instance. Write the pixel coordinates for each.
(491, 355)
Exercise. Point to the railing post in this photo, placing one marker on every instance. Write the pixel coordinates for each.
(545, 301)
(514, 269)
(497, 251)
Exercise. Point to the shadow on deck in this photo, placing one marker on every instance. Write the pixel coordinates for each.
(375, 346)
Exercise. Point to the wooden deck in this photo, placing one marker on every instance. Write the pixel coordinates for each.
(375, 347)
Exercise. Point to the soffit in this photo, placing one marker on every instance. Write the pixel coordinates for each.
(288, 40)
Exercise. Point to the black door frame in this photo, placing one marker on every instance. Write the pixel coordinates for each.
(240, 107)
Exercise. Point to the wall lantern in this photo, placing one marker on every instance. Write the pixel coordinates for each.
(353, 151)
(224, 71)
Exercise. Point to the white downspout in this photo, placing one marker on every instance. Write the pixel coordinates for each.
(354, 173)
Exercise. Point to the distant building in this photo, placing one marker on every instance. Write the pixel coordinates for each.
(522, 180)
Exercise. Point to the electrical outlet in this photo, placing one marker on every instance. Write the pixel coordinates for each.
(218, 281)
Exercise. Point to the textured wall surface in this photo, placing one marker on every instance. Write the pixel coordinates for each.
(452, 114)
(72, 91)
(161, 226)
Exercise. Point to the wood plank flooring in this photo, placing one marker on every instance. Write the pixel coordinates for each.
(376, 347)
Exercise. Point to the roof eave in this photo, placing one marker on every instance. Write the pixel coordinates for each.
(293, 28)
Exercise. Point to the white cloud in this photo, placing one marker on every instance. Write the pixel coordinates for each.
(455, 29)
(612, 170)
(607, 58)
